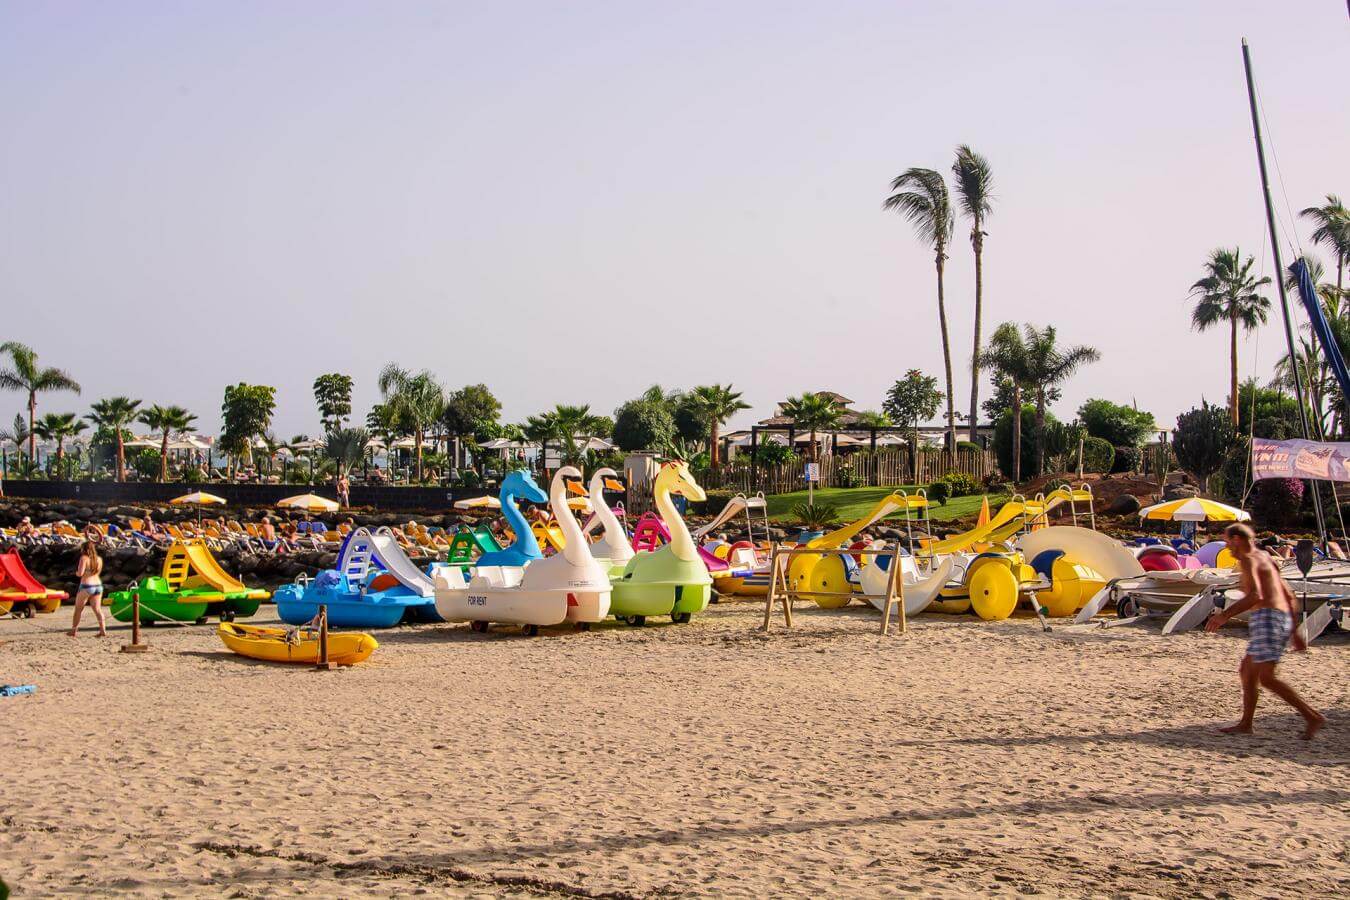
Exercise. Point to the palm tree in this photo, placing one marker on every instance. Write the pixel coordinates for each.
(1008, 357)
(165, 420)
(1049, 365)
(1229, 293)
(59, 427)
(974, 188)
(1333, 230)
(716, 403)
(346, 447)
(813, 412)
(115, 414)
(417, 398)
(564, 424)
(29, 377)
(928, 208)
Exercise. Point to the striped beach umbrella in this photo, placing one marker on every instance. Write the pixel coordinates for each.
(1194, 509)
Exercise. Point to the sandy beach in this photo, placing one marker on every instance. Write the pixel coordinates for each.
(706, 760)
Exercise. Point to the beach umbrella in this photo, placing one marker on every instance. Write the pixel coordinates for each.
(198, 499)
(309, 503)
(484, 502)
(1193, 509)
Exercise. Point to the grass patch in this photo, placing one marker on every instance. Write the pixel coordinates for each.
(853, 503)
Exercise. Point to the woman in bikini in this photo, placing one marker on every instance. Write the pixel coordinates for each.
(89, 571)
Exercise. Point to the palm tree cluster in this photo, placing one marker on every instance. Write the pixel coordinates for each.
(1033, 362)
(921, 197)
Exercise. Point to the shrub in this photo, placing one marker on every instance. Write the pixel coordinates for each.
(959, 484)
(1275, 501)
(938, 492)
(1003, 441)
(1116, 423)
(845, 476)
(968, 445)
(145, 463)
(643, 425)
(774, 454)
(1203, 438)
(815, 516)
(1127, 459)
(1098, 454)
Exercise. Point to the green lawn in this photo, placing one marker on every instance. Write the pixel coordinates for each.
(853, 503)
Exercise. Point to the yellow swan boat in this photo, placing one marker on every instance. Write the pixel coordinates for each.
(346, 648)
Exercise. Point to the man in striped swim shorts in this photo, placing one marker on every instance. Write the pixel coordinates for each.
(1270, 627)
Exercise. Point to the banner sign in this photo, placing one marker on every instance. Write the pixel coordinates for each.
(1300, 459)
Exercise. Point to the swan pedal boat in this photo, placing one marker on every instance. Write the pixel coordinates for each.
(570, 586)
(292, 645)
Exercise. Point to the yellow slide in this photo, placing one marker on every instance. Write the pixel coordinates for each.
(826, 573)
(194, 557)
(1001, 527)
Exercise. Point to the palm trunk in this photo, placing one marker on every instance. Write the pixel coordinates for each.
(1233, 370)
(712, 444)
(417, 439)
(813, 445)
(1017, 433)
(163, 455)
(1040, 430)
(976, 239)
(32, 436)
(122, 455)
(946, 354)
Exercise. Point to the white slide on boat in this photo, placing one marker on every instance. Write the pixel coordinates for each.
(918, 592)
(365, 546)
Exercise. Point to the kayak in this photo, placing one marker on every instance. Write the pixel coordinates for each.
(293, 645)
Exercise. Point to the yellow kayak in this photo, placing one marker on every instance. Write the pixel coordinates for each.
(301, 645)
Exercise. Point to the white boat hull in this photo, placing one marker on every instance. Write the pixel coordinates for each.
(918, 592)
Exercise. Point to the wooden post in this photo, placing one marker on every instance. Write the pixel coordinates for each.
(892, 581)
(323, 665)
(770, 597)
(136, 645)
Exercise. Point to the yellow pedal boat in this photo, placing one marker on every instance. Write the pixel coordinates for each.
(288, 645)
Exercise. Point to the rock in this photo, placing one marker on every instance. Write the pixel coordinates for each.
(1123, 505)
(1179, 491)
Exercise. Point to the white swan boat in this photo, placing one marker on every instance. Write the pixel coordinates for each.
(570, 586)
(614, 549)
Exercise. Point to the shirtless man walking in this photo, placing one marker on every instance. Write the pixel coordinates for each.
(1270, 626)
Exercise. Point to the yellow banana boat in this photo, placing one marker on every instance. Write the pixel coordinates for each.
(346, 648)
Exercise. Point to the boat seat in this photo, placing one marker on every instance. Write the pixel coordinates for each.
(1044, 563)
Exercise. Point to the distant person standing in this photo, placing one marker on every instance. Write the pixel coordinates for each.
(90, 572)
(1270, 626)
(344, 488)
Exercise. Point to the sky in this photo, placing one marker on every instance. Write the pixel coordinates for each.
(571, 202)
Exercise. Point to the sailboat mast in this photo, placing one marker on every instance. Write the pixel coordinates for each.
(1279, 278)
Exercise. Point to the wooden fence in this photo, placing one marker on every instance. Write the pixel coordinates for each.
(884, 468)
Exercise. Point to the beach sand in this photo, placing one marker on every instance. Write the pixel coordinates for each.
(707, 759)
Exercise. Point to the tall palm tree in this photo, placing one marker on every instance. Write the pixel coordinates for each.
(59, 427)
(716, 403)
(1230, 293)
(921, 197)
(166, 420)
(1007, 356)
(564, 424)
(974, 188)
(346, 447)
(1049, 366)
(27, 376)
(417, 398)
(1333, 231)
(115, 414)
(813, 412)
